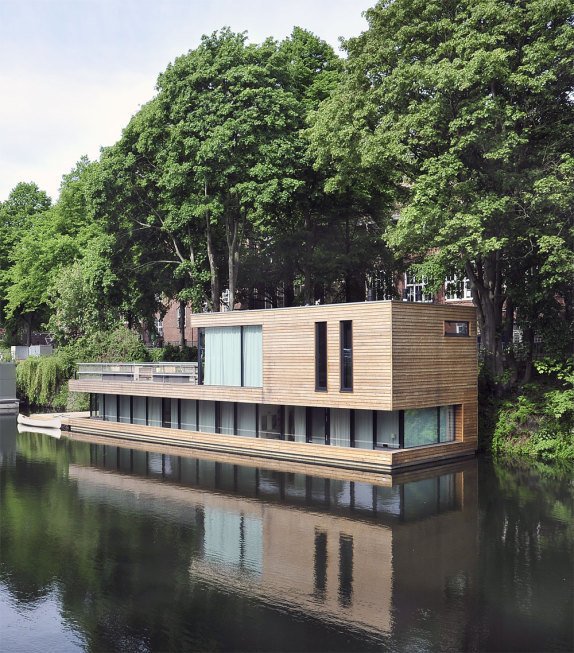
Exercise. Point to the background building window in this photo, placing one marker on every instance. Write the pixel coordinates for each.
(457, 287)
(415, 288)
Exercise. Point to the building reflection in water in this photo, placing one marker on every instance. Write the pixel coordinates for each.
(345, 551)
(8, 435)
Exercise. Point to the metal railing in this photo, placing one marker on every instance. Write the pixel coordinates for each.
(139, 372)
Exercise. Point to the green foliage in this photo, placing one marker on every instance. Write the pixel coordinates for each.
(471, 104)
(41, 380)
(18, 214)
(116, 345)
(173, 353)
(538, 422)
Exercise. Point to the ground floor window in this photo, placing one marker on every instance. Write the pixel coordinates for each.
(339, 427)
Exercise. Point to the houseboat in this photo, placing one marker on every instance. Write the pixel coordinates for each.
(374, 386)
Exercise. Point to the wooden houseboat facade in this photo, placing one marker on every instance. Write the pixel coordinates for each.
(375, 386)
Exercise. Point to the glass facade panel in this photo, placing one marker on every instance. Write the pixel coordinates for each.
(154, 411)
(222, 356)
(270, 422)
(231, 356)
(388, 428)
(207, 416)
(295, 423)
(139, 410)
(111, 408)
(364, 429)
(188, 414)
(447, 423)
(252, 356)
(421, 427)
(227, 417)
(340, 423)
(318, 425)
(124, 409)
(246, 420)
(175, 413)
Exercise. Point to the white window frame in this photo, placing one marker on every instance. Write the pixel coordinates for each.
(415, 289)
(457, 288)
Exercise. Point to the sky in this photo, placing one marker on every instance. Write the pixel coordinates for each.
(73, 72)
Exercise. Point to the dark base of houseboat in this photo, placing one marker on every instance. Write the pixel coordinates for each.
(386, 461)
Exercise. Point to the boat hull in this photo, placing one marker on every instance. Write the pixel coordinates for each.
(41, 421)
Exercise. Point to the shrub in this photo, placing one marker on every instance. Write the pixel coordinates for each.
(173, 354)
(42, 379)
(118, 345)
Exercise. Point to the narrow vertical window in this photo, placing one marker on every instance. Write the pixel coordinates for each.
(346, 355)
(200, 355)
(320, 355)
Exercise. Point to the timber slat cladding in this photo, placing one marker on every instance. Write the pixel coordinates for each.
(401, 358)
(314, 454)
(429, 368)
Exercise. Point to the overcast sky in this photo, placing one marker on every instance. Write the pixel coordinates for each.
(73, 72)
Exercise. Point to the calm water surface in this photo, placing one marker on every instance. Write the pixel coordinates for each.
(106, 548)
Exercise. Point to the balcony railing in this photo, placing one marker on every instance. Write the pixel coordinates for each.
(139, 372)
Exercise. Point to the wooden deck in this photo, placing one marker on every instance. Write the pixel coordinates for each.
(341, 458)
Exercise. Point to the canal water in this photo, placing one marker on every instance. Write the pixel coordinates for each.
(109, 548)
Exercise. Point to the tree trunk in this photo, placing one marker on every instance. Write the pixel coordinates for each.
(232, 228)
(213, 269)
(487, 296)
(309, 286)
(528, 344)
(288, 293)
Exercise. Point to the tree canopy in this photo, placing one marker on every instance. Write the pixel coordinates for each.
(472, 105)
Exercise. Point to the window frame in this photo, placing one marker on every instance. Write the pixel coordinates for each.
(448, 334)
(345, 387)
(321, 361)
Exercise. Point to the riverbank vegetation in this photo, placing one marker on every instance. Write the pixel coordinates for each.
(282, 172)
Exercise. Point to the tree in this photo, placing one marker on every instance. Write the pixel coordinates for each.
(230, 149)
(42, 262)
(17, 215)
(472, 103)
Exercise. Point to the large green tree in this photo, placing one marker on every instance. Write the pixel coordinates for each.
(59, 246)
(19, 214)
(471, 102)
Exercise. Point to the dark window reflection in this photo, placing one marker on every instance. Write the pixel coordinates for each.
(320, 565)
(345, 570)
(409, 501)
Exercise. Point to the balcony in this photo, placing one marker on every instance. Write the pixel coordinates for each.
(139, 372)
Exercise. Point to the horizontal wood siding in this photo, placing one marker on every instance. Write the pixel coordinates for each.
(470, 423)
(429, 368)
(289, 354)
